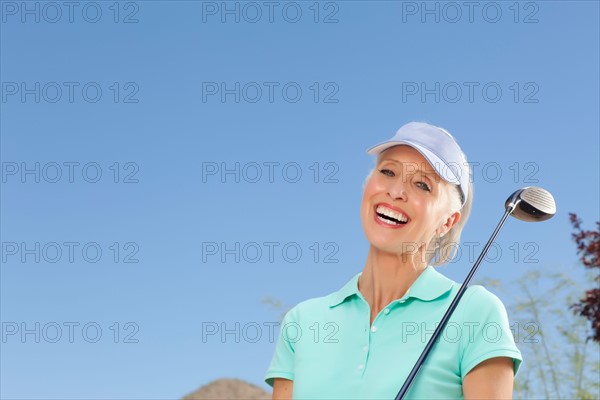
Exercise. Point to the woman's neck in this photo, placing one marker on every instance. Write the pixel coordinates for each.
(387, 277)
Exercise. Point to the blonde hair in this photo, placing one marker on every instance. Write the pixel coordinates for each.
(441, 250)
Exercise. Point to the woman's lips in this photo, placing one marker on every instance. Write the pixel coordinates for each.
(380, 222)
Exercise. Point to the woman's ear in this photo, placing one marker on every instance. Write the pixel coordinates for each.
(449, 223)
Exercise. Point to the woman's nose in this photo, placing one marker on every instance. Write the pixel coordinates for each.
(397, 189)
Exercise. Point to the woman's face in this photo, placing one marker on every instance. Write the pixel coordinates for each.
(406, 183)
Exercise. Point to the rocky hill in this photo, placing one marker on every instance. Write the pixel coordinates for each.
(228, 389)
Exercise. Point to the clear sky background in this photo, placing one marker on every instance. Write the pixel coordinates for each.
(172, 94)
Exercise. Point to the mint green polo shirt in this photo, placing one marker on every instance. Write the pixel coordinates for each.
(328, 348)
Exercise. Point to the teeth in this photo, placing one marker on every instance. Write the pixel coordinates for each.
(390, 213)
(387, 221)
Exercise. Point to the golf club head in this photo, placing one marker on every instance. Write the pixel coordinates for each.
(531, 204)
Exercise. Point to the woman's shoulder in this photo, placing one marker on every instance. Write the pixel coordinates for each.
(320, 305)
(311, 306)
(474, 296)
(478, 299)
(481, 293)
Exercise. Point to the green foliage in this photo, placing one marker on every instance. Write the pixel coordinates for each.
(559, 362)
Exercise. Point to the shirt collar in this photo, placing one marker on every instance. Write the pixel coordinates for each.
(430, 285)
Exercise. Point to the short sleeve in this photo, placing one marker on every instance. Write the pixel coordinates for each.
(487, 331)
(282, 363)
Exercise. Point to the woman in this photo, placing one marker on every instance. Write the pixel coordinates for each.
(362, 341)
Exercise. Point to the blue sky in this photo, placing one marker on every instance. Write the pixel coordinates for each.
(164, 100)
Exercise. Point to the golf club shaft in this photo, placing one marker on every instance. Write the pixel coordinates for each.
(446, 317)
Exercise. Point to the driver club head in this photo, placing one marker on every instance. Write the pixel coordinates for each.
(531, 204)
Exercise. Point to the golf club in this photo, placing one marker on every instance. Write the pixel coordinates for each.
(529, 204)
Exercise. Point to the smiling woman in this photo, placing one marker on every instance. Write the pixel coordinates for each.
(361, 341)
(403, 171)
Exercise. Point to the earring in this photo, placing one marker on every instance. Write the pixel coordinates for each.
(438, 240)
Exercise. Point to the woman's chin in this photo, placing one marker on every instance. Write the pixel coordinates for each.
(386, 245)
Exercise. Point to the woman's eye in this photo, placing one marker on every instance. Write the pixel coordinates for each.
(424, 186)
(386, 172)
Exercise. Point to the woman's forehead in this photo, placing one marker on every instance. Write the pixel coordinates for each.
(409, 158)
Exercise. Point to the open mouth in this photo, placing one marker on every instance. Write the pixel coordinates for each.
(389, 216)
